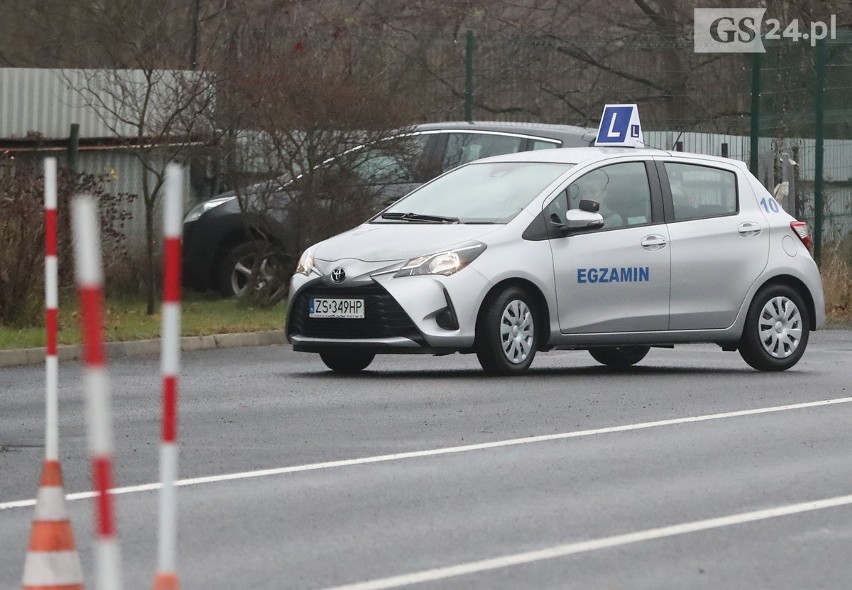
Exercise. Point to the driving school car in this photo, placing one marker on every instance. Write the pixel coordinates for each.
(611, 250)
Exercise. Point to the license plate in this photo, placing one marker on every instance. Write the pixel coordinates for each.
(321, 307)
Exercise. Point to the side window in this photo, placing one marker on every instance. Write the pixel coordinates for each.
(466, 147)
(378, 168)
(699, 192)
(541, 144)
(555, 211)
(392, 161)
(622, 191)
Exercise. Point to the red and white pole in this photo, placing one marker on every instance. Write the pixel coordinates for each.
(51, 299)
(52, 560)
(166, 576)
(89, 273)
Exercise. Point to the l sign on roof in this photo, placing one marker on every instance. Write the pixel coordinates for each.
(620, 126)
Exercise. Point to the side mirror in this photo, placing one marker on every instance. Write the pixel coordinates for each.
(578, 222)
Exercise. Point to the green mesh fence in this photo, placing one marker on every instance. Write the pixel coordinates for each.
(805, 111)
(696, 102)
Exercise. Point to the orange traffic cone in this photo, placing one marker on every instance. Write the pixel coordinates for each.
(166, 582)
(52, 560)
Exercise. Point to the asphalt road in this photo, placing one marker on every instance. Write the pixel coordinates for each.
(689, 471)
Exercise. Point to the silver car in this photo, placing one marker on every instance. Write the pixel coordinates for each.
(610, 250)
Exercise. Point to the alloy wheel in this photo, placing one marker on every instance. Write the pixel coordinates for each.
(517, 331)
(780, 327)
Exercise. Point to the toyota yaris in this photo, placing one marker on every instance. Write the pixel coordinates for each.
(610, 250)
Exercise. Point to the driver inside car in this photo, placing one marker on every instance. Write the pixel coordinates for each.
(594, 187)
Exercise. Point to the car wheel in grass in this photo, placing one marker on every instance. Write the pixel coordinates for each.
(238, 268)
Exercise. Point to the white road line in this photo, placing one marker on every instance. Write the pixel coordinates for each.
(444, 451)
(484, 565)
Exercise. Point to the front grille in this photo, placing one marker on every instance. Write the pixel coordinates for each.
(383, 316)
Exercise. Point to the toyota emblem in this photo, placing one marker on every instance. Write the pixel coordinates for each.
(337, 275)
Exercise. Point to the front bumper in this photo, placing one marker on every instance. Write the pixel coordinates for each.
(425, 314)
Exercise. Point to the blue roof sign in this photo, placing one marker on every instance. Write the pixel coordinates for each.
(620, 126)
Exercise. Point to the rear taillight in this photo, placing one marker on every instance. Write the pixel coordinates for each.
(801, 230)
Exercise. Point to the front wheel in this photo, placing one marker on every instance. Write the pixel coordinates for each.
(776, 329)
(619, 357)
(347, 362)
(506, 337)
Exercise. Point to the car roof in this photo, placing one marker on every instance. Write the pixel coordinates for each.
(570, 133)
(576, 155)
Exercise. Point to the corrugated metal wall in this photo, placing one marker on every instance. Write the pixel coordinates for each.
(126, 177)
(45, 102)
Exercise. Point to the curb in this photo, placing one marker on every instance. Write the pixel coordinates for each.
(72, 352)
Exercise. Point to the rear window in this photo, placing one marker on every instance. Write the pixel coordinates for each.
(541, 144)
(466, 147)
(699, 192)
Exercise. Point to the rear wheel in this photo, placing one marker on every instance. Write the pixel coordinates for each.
(506, 337)
(776, 329)
(347, 362)
(619, 357)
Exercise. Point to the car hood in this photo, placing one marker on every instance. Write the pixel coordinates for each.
(389, 242)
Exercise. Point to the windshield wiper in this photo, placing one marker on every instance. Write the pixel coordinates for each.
(419, 217)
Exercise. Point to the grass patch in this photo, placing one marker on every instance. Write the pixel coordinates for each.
(836, 271)
(125, 319)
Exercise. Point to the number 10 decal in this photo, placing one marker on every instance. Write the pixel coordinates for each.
(770, 205)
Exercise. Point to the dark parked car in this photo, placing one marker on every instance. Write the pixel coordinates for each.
(219, 253)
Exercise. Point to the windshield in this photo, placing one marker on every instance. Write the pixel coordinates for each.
(477, 193)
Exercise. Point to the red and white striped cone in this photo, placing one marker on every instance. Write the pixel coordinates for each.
(89, 274)
(52, 561)
(166, 576)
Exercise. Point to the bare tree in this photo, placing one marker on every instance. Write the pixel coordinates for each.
(165, 114)
(315, 138)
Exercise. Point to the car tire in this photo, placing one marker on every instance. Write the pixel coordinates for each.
(347, 362)
(776, 329)
(234, 273)
(506, 334)
(619, 357)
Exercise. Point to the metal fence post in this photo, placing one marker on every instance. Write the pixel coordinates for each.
(788, 177)
(755, 112)
(73, 146)
(468, 76)
(798, 200)
(820, 146)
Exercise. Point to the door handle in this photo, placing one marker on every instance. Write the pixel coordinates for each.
(749, 229)
(653, 242)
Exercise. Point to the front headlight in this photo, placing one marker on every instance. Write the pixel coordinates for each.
(204, 207)
(442, 263)
(306, 262)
